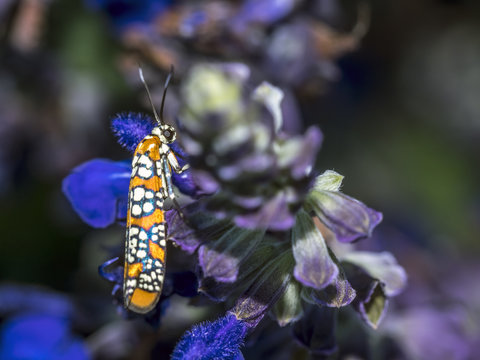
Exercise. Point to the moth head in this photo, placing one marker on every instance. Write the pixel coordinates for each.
(166, 133)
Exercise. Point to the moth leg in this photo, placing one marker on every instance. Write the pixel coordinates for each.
(179, 211)
(172, 160)
(184, 167)
(167, 173)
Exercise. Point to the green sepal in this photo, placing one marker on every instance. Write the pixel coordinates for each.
(289, 307)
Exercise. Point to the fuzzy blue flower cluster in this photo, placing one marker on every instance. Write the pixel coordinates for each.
(216, 340)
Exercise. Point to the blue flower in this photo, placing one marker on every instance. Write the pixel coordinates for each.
(130, 12)
(37, 336)
(98, 189)
(37, 325)
(16, 298)
(216, 340)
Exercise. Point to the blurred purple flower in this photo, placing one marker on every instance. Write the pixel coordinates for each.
(40, 336)
(262, 175)
(428, 333)
(262, 11)
(289, 56)
(217, 340)
(284, 39)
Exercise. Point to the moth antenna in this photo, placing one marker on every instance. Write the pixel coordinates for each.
(157, 118)
(165, 87)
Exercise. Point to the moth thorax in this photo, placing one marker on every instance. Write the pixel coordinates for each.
(165, 132)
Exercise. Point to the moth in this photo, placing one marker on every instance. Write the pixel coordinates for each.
(146, 235)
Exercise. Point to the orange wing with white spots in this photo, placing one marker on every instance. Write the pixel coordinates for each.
(145, 246)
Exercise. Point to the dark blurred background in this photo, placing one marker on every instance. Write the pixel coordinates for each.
(401, 122)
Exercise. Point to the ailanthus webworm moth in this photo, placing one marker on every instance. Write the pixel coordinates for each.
(146, 237)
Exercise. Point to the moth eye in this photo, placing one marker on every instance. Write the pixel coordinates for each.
(167, 134)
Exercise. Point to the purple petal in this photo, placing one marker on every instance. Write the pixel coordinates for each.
(222, 257)
(347, 217)
(248, 202)
(263, 11)
(265, 291)
(98, 191)
(184, 181)
(179, 232)
(206, 183)
(274, 215)
(131, 128)
(200, 227)
(314, 266)
(186, 184)
(306, 156)
(247, 273)
(252, 164)
(381, 266)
